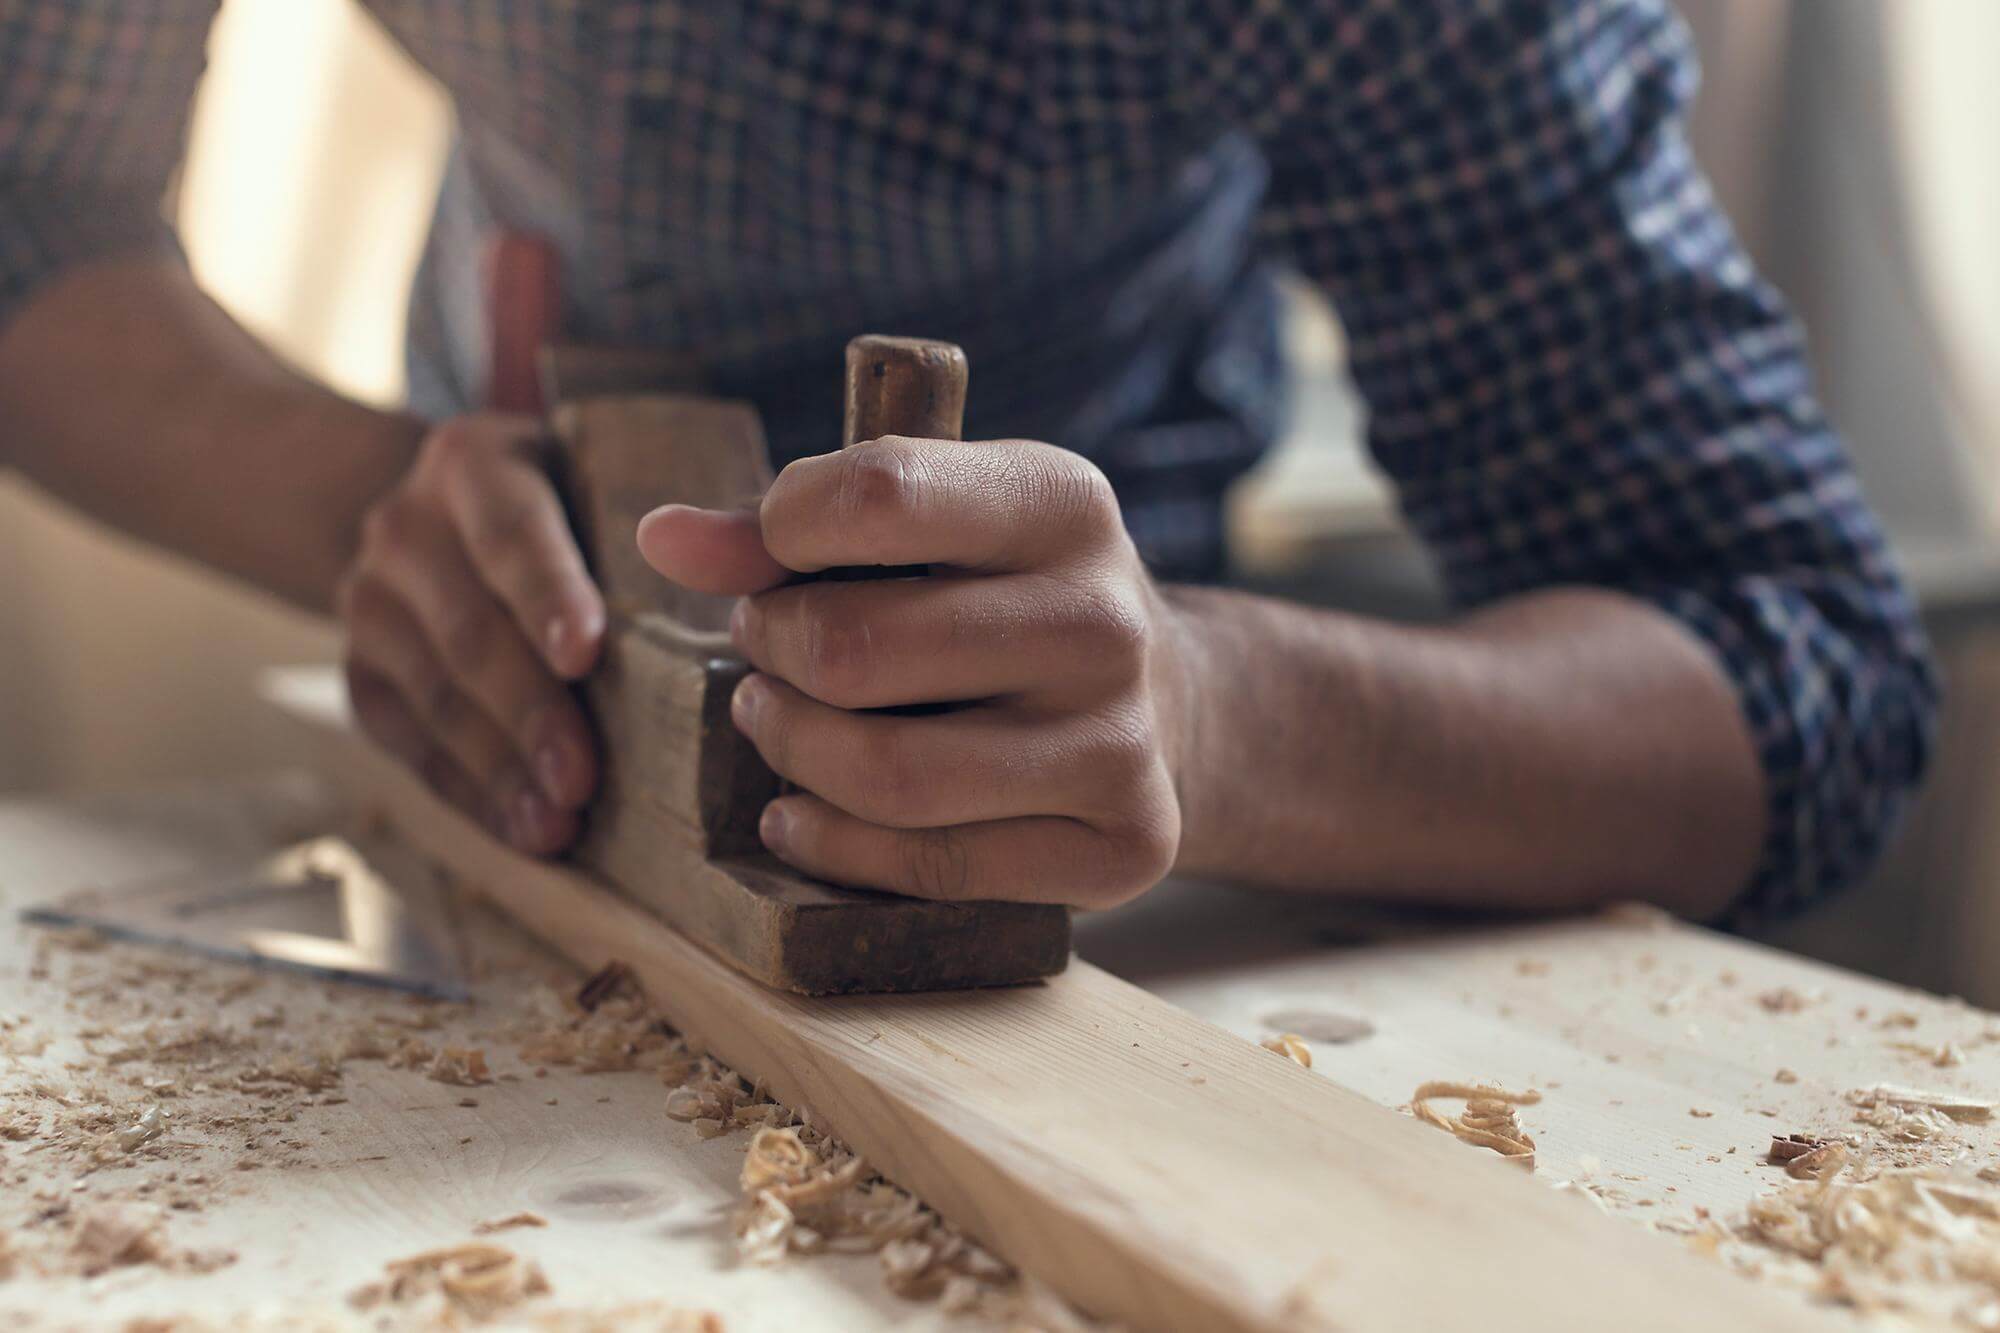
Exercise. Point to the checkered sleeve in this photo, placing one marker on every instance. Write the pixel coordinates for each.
(94, 100)
(1575, 377)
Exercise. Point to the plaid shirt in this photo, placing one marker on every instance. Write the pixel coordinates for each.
(1573, 374)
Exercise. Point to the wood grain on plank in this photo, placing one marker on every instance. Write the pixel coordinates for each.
(1150, 1166)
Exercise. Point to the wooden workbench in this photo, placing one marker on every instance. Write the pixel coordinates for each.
(1658, 1049)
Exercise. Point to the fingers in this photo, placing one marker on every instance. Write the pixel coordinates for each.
(943, 639)
(514, 529)
(913, 772)
(1040, 860)
(385, 719)
(476, 645)
(434, 727)
(989, 506)
(709, 550)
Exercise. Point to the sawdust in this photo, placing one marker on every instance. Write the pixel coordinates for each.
(1489, 1120)
(1941, 1055)
(105, 1236)
(1788, 999)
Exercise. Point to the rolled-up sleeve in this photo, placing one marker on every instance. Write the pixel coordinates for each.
(1574, 376)
(94, 98)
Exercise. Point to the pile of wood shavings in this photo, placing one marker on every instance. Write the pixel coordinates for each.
(803, 1192)
(1918, 1241)
(1900, 1222)
(1489, 1120)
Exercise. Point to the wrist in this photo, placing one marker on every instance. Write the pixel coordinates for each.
(1178, 681)
(379, 447)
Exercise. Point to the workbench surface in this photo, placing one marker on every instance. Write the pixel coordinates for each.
(1667, 1059)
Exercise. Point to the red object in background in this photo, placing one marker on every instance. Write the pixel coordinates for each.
(523, 311)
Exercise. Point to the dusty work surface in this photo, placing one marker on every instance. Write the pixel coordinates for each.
(219, 1142)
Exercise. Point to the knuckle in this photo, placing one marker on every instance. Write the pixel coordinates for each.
(450, 446)
(1113, 627)
(388, 528)
(878, 484)
(936, 864)
(502, 530)
(1077, 493)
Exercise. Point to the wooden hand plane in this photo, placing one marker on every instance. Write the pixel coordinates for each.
(674, 826)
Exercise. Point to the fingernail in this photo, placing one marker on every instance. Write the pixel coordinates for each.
(739, 624)
(552, 773)
(774, 827)
(530, 816)
(745, 703)
(555, 639)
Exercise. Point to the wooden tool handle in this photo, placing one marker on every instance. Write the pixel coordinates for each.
(904, 386)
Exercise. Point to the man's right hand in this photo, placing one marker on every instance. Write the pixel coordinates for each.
(467, 607)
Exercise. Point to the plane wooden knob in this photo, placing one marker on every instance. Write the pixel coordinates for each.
(904, 386)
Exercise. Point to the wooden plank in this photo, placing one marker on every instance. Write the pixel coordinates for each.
(1668, 1055)
(1153, 1168)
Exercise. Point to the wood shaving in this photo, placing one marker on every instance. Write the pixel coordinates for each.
(1786, 1147)
(1292, 1046)
(150, 1125)
(1787, 1000)
(1943, 1055)
(112, 1236)
(462, 1066)
(478, 1279)
(1333, 1029)
(1924, 1242)
(1951, 1104)
(524, 1218)
(1489, 1120)
(604, 983)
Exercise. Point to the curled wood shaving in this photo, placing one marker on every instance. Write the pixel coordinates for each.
(1292, 1046)
(479, 1279)
(1489, 1120)
(1819, 1163)
(152, 1123)
(462, 1066)
(523, 1218)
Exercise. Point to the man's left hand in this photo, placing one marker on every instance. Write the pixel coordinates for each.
(1050, 774)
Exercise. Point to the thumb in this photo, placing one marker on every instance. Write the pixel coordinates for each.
(710, 550)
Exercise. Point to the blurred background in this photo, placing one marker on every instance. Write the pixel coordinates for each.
(1855, 142)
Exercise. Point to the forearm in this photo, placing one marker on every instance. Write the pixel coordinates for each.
(132, 396)
(1562, 748)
